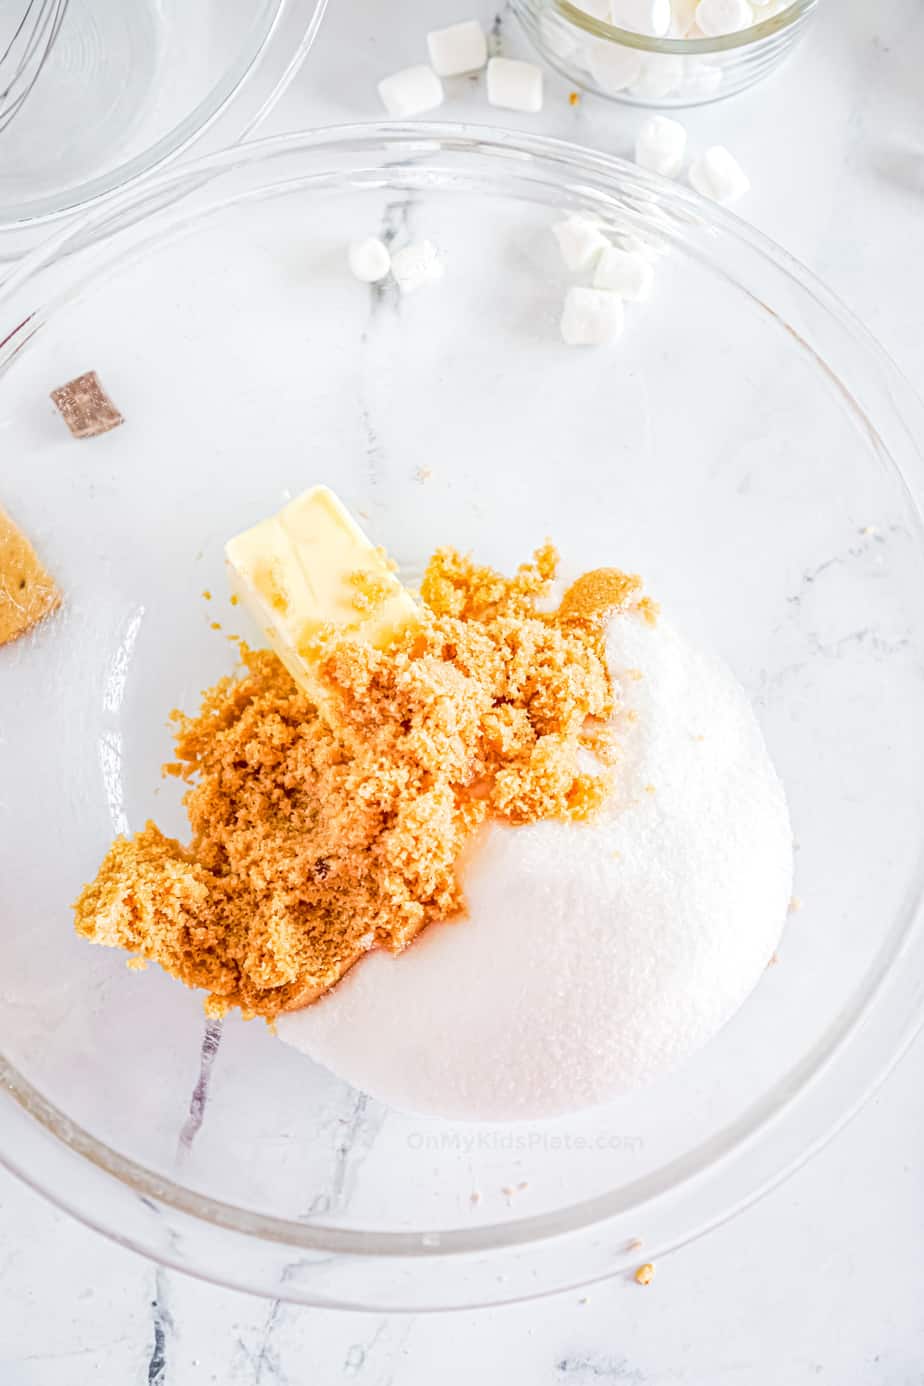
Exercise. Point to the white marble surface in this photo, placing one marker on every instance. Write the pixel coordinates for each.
(821, 1281)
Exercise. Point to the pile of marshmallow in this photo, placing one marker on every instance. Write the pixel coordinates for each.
(594, 314)
(691, 19)
(460, 51)
(617, 68)
(411, 267)
(661, 146)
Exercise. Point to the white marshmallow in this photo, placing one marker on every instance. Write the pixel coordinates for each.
(370, 260)
(701, 79)
(624, 273)
(651, 17)
(411, 92)
(415, 265)
(613, 67)
(717, 17)
(683, 14)
(591, 317)
(514, 85)
(660, 146)
(458, 49)
(717, 174)
(661, 74)
(580, 241)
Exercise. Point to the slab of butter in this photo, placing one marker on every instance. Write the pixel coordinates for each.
(311, 566)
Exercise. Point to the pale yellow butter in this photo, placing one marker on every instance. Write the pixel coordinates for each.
(310, 567)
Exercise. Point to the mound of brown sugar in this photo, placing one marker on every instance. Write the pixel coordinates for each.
(317, 838)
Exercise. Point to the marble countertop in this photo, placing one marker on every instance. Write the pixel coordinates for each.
(822, 1280)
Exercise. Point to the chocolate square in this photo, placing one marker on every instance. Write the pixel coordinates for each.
(85, 407)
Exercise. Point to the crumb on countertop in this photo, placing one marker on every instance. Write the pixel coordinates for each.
(27, 591)
(645, 1274)
(85, 407)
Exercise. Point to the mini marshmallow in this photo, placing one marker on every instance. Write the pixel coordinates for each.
(460, 48)
(411, 92)
(514, 85)
(701, 79)
(624, 273)
(661, 74)
(717, 17)
(415, 265)
(369, 260)
(717, 174)
(651, 17)
(660, 146)
(580, 241)
(591, 317)
(683, 16)
(614, 68)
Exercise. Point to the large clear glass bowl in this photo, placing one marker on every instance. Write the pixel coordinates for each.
(130, 84)
(660, 72)
(746, 446)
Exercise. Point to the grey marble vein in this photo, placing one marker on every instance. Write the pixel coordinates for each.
(264, 1361)
(396, 219)
(358, 1353)
(496, 32)
(395, 226)
(350, 1150)
(372, 444)
(377, 1359)
(200, 1093)
(162, 1327)
(870, 538)
(600, 1368)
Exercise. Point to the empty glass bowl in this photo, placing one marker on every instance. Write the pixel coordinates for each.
(745, 446)
(129, 84)
(658, 72)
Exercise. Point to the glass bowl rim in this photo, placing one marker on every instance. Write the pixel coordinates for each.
(273, 64)
(576, 170)
(722, 43)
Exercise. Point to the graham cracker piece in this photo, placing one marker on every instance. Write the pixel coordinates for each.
(85, 407)
(27, 591)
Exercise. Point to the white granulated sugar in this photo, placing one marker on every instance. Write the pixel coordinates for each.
(594, 955)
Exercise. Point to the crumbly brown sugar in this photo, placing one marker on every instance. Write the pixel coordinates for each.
(317, 838)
